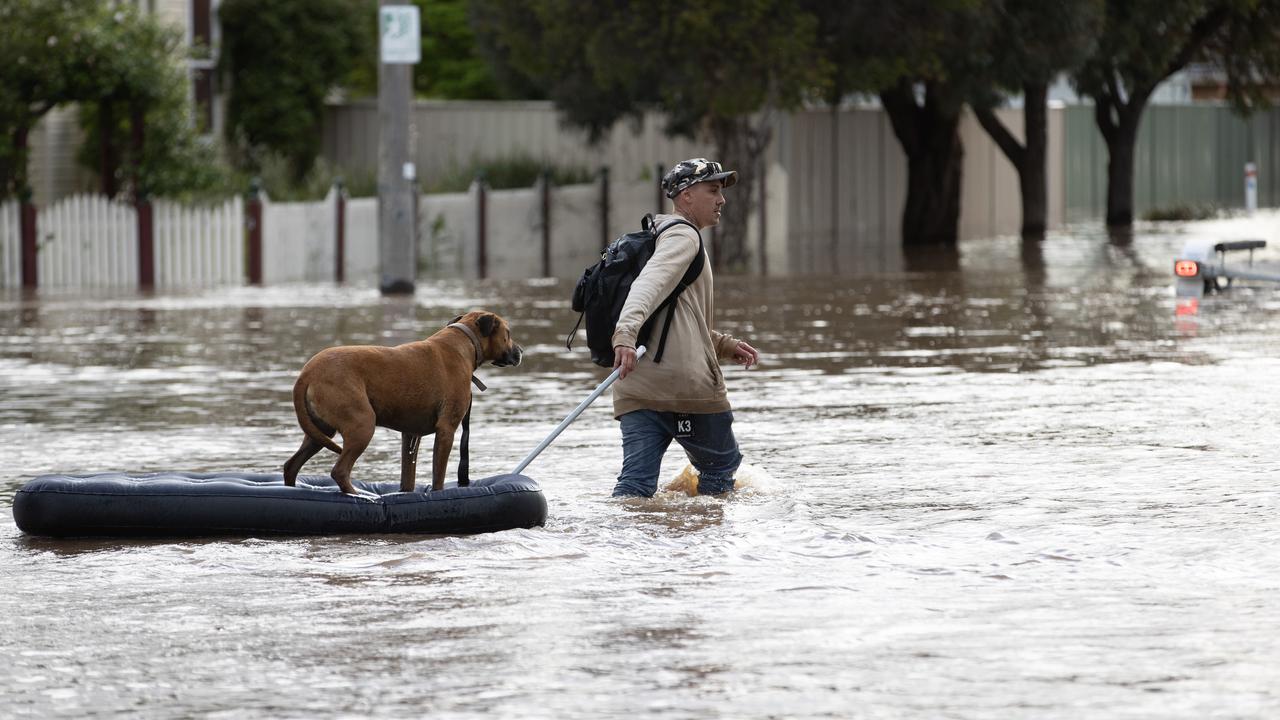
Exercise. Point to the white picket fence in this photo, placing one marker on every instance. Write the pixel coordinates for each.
(87, 241)
(10, 245)
(199, 245)
(90, 242)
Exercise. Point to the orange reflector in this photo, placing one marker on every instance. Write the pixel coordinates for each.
(1186, 268)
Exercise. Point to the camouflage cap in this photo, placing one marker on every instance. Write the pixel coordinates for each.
(693, 171)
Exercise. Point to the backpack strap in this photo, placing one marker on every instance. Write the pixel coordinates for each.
(690, 275)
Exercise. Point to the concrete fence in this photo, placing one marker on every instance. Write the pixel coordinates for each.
(10, 244)
(557, 231)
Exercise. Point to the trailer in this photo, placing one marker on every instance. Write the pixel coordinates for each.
(1202, 268)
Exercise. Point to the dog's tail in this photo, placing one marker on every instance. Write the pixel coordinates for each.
(307, 422)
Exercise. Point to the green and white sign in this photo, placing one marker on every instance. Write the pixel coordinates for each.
(400, 35)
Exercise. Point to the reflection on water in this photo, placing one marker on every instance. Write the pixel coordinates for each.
(1016, 482)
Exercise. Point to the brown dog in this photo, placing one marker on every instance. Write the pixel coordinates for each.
(418, 388)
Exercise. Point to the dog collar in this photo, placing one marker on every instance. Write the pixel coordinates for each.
(475, 342)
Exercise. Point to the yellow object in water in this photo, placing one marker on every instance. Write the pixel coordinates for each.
(747, 478)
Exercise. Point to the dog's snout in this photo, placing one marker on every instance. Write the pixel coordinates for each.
(510, 358)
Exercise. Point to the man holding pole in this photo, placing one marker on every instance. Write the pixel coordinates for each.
(683, 396)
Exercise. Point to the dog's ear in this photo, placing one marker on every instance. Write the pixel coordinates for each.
(453, 321)
(487, 323)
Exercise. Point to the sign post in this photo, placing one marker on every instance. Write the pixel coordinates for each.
(400, 47)
(1251, 188)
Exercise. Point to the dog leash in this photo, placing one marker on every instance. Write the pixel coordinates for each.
(464, 451)
(475, 342)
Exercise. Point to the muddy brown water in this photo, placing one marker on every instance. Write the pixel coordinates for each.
(1020, 487)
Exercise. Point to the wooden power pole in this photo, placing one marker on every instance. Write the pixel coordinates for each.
(400, 47)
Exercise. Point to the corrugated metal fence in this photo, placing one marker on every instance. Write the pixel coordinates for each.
(448, 135)
(1186, 155)
(848, 178)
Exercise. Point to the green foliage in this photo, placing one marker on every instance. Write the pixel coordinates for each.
(516, 171)
(275, 173)
(1037, 41)
(715, 69)
(1142, 42)
(1183, 212)
(138, 70)
(105, 56)
(452, 67)
(601, 62)
(37, 54)
(282, 58)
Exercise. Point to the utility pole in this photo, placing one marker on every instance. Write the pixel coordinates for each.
(400, 47)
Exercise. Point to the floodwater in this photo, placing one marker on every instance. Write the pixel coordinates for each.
(1025, 486)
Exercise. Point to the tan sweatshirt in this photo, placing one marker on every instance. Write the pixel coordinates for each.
(688, 379)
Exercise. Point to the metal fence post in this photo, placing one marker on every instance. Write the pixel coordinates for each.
(146, 244)
(544, 182)
(764, 222)
(27, 231)
(339, 232)
(482, 213)
(253, 223)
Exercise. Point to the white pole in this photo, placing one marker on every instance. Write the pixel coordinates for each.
(1251, 187)
(604, 385)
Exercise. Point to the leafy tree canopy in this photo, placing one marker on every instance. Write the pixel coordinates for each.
(98, 54)
(601, 62)
(282, 59)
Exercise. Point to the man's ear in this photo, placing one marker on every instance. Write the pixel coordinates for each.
(487, 323)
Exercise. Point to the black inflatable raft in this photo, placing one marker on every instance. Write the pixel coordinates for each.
(206, 504)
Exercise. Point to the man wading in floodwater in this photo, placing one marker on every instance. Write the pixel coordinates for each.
(682, 397)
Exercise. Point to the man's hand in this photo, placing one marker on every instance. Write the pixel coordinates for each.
(745, 355)
(624, 357)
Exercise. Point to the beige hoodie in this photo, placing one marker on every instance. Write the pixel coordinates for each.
(688, 379)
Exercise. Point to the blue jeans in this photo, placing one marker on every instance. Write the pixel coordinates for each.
(646, 434)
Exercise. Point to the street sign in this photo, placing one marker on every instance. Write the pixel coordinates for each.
(400, 35)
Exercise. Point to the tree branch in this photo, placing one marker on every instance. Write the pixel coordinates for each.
(1008, 144)
(1200, 33)
(900, 104)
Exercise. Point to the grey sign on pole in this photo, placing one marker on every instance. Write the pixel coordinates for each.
(400, 42)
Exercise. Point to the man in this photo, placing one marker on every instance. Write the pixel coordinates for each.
(683, 397)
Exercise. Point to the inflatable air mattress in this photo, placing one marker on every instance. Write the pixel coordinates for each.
(206, 504)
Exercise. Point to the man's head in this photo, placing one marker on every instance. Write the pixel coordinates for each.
(694, 185)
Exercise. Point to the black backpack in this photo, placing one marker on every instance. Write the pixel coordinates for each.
(602, 290)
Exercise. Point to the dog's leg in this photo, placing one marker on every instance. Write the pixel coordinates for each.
(440, 455)
(409, 444)
(353, 443)
(294, 465)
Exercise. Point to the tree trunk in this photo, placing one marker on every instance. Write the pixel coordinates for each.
(929, 134)
(1120, 180)
(1029, 158)
(138, 141)
(740, 146)
(1118, 124)
(13, 172)
(1032, 176)
(108, 159)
